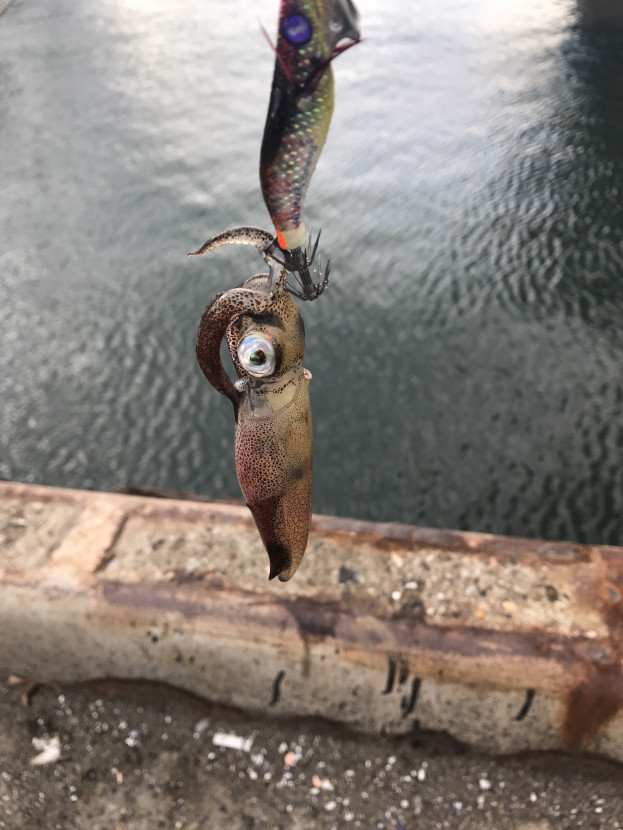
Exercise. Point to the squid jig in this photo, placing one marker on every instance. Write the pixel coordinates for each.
(299, 114)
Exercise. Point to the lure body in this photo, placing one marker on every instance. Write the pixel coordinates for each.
(273, 433)
(300, 110)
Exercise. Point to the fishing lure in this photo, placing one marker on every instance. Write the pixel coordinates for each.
(273, 434)
(299, 114)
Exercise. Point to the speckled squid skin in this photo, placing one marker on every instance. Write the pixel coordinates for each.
(273, 437)
(301, 106)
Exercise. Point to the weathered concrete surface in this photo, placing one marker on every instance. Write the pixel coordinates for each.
(505, 644)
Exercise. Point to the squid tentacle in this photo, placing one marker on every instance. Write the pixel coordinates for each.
(216, 319)
(237, 236)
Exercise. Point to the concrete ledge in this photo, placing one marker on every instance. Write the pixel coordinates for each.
(505, 644)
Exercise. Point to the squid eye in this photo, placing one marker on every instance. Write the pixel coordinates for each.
(256, 353)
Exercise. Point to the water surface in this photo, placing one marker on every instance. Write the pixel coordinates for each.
(467, 358)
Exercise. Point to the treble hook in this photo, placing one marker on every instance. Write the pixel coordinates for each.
(297, 262)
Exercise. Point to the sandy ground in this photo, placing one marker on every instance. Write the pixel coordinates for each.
(145, 757)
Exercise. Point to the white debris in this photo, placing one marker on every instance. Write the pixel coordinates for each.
(330, 805)
(132, 739)
(201, 725)
(49, 751)
(232, 741)
(421, 774)
(322, 784)
(484, 784)
(286, 780)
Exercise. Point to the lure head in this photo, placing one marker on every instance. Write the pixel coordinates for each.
(342, 22)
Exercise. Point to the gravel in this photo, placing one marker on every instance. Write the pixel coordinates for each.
(145, 757)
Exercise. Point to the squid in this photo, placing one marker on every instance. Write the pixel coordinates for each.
(273, 426)
(299, 114)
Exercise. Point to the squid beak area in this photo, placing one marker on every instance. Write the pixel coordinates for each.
(280, 562)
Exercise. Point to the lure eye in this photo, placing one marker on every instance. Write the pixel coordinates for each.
(256, 353)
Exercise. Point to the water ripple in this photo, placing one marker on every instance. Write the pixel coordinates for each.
(467, 357)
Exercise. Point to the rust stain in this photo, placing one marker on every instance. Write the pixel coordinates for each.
(462, 654)
(594, 702)
(109, 554)
(160, 493)
(391, 537)
(306, 661)
(12, 578)
(33, 493)
(150, 595)
(194, 514)
(591, 706)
